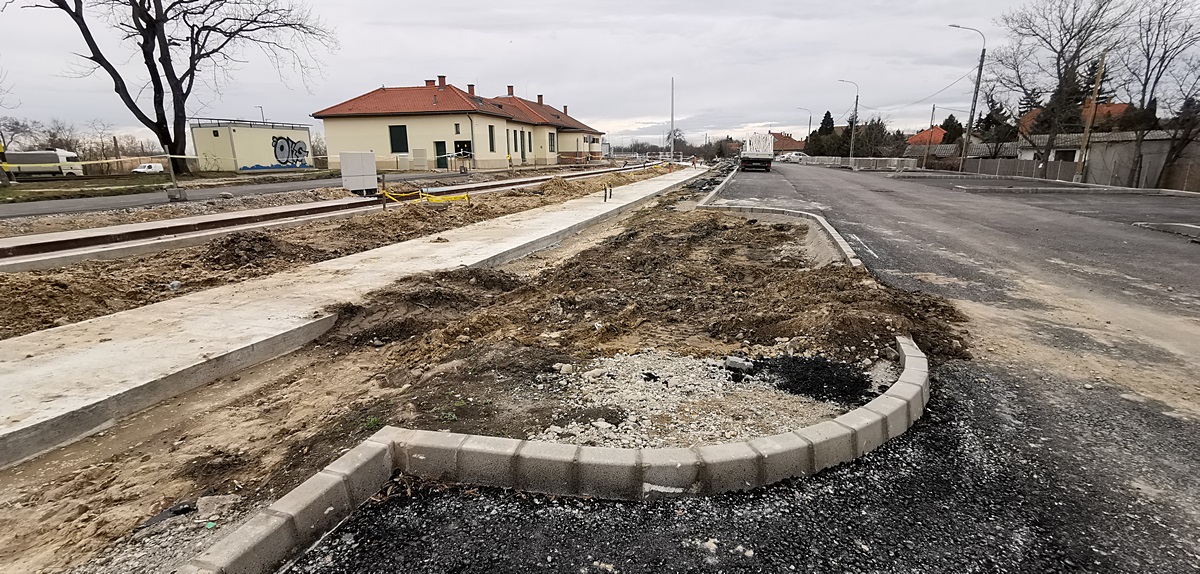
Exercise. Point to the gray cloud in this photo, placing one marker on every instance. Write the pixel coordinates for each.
(737, 66)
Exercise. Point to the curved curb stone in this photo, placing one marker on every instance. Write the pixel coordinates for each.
(847, 253)
(312, 509)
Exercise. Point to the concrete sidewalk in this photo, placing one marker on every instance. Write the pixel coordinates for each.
(62, 384)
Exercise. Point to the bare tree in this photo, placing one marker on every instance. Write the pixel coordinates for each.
(19, 132)
(1184, 126)
(1050, 41)
(182, 42)
(1164, 32)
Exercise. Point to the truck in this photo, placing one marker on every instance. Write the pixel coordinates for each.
(54, 162)
(757, 152)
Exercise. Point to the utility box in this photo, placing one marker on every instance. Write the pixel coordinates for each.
(245, 146)
(358, 172)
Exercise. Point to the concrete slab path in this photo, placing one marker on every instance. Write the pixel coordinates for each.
(62, 384)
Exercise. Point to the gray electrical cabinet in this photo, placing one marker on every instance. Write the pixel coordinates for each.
(358, 172)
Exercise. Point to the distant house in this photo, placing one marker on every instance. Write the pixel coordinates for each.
(928, 136)
(1105, 114)
(785, 143)
(434, 125)
(1110, 157)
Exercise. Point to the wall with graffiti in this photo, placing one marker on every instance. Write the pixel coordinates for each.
(252, 148)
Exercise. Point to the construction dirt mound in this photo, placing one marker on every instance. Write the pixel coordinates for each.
(245, 248)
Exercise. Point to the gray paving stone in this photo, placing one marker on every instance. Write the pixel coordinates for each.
(869, 429)
(832, 444)
(488, 460)
(548, 467)
(894, 412)
(434, 455)
(911, 394)
(729, 467)
(669, 472)
(610, 473)
(256, 547)
(784, 456)
(365, 468)
(316, 506)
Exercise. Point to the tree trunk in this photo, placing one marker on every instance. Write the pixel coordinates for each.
(1135, 169)
(1044, 167)
(1174, 152)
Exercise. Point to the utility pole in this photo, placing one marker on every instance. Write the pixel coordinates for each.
(929, 142)
(974, 98)
(672, 117)
(809, 132)
(853, 120)
(1087, 130)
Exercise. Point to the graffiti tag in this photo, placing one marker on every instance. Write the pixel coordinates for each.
(289, 151)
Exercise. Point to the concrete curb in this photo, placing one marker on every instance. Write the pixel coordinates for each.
(315, 507)
(25, 443)
(1078, 187)
(718, 189)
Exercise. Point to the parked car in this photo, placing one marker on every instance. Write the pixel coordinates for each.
(149, 168)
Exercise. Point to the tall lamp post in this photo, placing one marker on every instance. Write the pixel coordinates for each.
(854, 118)
(809, 132)
(974, 98)
(262, 114)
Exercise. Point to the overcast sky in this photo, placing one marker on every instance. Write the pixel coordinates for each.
(738, 66)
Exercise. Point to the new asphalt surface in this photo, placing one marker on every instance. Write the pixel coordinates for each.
(1013, 469)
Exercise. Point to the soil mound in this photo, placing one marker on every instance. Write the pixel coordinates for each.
(253, 248)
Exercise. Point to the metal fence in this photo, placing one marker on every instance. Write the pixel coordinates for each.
(1056, 170)
(867, 163)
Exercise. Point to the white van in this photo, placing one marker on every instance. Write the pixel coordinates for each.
(45, 162)
(149, 168)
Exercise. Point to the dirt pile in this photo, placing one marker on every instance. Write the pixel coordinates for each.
(43, 299)
(245, 248)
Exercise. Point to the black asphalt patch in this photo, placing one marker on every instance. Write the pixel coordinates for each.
(984, 483)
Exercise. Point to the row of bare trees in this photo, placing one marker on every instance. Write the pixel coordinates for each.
(96, 141)
(1148, 49)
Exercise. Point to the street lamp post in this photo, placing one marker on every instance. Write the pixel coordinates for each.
(262, 114)
(809, 132)
(975, 97)
(854, 119)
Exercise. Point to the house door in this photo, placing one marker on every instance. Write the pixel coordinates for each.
(522, 147)
(439, 149)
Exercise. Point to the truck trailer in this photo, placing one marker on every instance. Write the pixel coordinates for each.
(757, 152)
(44, 162)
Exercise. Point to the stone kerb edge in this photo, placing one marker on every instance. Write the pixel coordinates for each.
(315, 507)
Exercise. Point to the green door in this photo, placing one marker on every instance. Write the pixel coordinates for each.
(439, 149)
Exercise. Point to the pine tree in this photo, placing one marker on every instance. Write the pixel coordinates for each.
(1089, 79)
(1029, 102)
(826, 125)
(954, 129)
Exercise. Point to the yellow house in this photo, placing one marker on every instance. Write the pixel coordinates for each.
(248, 146)
(439, 126)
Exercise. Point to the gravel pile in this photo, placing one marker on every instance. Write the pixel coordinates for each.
(653, 400)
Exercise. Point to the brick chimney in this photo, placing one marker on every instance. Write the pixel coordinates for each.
(441, 81)
(430, 83)
(565, 110)
(510, 90)
(471, 89)
(539, 98)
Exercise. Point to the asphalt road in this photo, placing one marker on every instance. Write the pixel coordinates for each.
(1020, 465)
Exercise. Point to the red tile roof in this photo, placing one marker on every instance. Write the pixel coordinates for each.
(447, 99)
(928, 136)
(544, 114)
(412, 101)
(1105, 111)
(786, 143)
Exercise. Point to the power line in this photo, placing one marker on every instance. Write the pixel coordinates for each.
(926, 98)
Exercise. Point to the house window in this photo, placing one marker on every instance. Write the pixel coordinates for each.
(399, 138)
(216, 133)
(552, 143)
(506, 148)
(530, 140)
(492, 138)
(457, 129)
(515, 143)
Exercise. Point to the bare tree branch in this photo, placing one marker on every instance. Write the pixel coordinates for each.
(178, 41)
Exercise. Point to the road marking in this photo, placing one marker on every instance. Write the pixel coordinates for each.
(864, 244)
